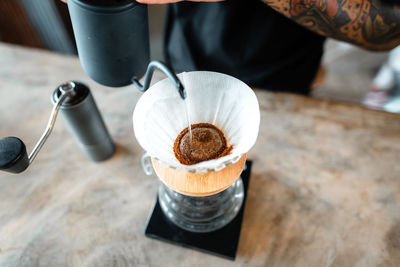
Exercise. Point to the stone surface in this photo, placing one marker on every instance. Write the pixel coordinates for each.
(325, 187)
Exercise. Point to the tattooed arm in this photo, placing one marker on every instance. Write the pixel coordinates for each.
(372, 24)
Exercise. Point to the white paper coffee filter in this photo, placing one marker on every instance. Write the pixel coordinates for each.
(212, 97)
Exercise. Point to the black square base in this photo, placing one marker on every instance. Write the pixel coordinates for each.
(222, 242)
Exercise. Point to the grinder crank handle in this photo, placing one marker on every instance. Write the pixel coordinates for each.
(13, 155)
(164, 69)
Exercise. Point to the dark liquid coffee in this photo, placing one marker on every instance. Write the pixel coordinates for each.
(207, 142)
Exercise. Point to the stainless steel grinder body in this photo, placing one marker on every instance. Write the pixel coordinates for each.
(84, 121)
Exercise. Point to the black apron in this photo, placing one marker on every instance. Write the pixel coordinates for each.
(245, 39)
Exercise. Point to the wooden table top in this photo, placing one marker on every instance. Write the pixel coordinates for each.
(325, 186)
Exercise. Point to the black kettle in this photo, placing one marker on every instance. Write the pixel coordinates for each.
(112, 38)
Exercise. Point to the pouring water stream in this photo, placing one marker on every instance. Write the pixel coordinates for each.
(189, 121)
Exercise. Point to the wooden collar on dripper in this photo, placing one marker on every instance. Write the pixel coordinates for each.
(199, 185)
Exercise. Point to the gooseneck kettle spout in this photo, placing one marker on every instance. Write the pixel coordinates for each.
(153, 65)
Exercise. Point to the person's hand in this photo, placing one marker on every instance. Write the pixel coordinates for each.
(172, 1)
(166, 1)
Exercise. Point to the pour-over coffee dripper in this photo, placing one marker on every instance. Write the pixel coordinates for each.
(206, 196)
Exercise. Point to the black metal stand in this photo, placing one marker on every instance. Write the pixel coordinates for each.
(223, 242)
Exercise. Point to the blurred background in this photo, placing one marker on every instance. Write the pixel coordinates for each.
(348, 73)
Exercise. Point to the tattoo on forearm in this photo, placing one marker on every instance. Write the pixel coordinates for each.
(373, 24)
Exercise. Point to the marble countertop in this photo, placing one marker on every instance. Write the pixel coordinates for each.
(325, 186)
